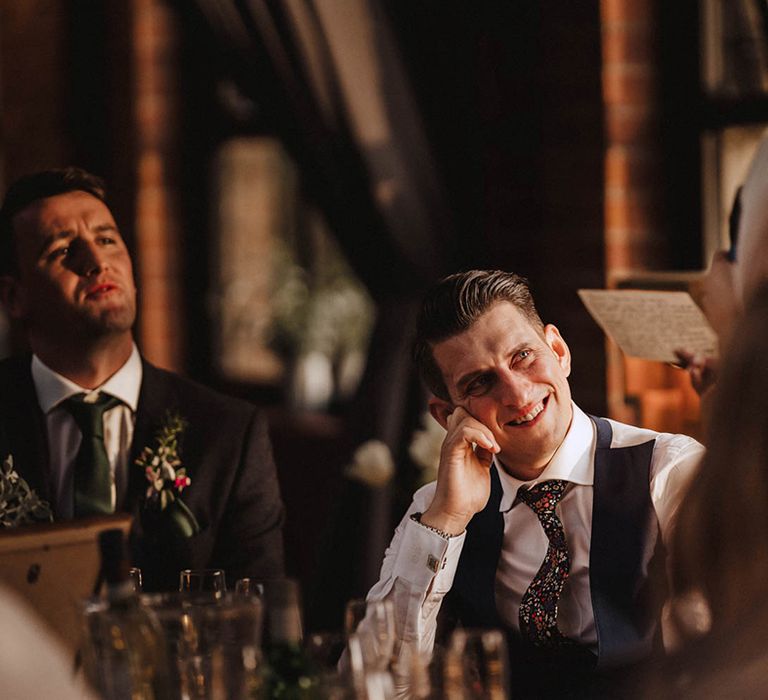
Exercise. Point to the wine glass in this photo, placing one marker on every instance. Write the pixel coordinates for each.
(373, 622)
(282, 604)
(123, 651)
(214, 650)
(197, 581)
(419, 670)
(475, 666)
(135, 577)
(324, 651)
(378, 612)
(365, 676)
(249, 587)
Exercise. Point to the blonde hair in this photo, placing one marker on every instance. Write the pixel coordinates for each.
(720, 545)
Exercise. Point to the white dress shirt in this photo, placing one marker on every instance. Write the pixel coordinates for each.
(417, 590)
(64, 436)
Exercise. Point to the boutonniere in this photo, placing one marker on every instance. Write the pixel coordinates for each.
(19, 504)
(167, 477)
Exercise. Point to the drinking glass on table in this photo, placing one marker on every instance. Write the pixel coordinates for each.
(203, 581)
(323, 651)
(374, 624)
(420, 670)
(475, 666)
(214, 649)
(135, 576)
(122, 650)
(365, 673)
(249, 587)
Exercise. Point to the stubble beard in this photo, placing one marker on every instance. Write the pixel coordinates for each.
(94, 323)
(114, 320)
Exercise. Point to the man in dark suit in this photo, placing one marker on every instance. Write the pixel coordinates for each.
(205, 493)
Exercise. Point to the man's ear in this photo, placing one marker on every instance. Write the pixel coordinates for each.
(559, 347)
(440, 410)
(12, 296)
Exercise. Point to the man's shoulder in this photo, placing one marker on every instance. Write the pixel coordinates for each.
(14, 371)
(627, 435)
(15, 364)
(669, 444)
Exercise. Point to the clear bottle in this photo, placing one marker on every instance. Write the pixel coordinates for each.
(124, 651)
(290, 672)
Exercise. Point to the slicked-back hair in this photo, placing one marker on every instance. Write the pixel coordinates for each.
(31, 188)
(454, 304)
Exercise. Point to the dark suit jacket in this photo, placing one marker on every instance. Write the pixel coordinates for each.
(225, 448)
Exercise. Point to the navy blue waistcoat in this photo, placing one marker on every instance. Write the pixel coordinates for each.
(626, 614)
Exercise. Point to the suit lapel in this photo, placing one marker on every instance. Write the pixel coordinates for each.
(24, 426)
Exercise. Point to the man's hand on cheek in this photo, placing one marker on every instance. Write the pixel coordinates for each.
(463, 478)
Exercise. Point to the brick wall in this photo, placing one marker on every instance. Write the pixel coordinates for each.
(34, 86)
(636, 233)
(157, 208)
(35, 42)
(44, 106)
(633, 198)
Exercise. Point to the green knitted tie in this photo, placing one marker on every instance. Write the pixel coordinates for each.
(93, 479)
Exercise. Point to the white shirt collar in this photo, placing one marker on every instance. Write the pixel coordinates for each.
(573, 461)
(52, 388)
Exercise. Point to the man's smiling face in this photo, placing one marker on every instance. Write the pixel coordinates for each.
(514, 380)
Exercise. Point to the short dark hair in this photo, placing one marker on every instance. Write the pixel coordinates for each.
(454, 304)
(32, 188)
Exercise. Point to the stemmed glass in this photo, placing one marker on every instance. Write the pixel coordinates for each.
(249, 587)
(214, 649)
(370, 630)
(324, 651)
(475, 666)
(196, 581)
(420, 671)
(374, 623)
(123, 650)
(135, 577)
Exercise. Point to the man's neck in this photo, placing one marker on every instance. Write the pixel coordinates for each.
(90, 365)
(531, 471)
(523, 473)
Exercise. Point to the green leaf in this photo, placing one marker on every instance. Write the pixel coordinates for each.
(183, 519)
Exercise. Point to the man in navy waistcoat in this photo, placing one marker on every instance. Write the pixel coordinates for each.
(572, 586)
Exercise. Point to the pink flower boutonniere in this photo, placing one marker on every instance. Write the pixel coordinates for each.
(167, 477)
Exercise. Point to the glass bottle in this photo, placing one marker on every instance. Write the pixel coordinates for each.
(290, 672)
(124, 653)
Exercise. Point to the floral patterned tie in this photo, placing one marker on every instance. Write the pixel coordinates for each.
(538, 607)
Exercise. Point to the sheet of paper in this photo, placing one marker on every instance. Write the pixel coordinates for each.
(649, 324)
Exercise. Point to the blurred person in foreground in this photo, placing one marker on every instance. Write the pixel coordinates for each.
(544, 521)
(734, 275)
(719, 549)
(33, 662)
(93, 427)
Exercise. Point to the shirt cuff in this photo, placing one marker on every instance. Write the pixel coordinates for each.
(425, 557)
